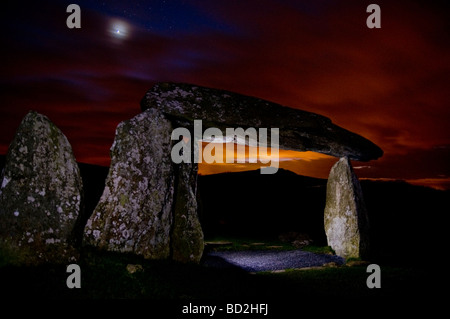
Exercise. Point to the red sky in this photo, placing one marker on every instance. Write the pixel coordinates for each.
(389, 85)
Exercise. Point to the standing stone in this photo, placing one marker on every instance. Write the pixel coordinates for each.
(346, 220)
(187, 234)
(134, 213)
(149, 204)
(40, 195)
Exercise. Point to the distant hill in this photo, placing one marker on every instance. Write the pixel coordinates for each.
(405, 220)
(2, 161)
(252, 204)
(94, 177)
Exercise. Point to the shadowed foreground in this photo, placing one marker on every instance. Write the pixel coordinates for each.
(105, 276)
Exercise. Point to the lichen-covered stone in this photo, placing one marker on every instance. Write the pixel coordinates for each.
(187, 235)
(134, 213)
(346, 221)
(299, 130)
(40, 195)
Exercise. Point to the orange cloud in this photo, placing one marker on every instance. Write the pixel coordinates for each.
(250, 158)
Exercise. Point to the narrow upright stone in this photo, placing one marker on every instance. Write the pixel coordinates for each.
(345, 218)
(40, 195)
(187, 235)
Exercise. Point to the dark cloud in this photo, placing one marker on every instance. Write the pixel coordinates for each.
(389, 85)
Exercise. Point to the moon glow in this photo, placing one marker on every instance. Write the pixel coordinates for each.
(119, 29)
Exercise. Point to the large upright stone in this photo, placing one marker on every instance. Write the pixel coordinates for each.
(149, 204)
(346, 220)
(134, 213)
(40, 195)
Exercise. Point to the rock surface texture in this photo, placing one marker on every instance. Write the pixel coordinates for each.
(346, 221)
(40, 196)
(187, 235)
(134, 213)
(299, 130)
(148, 206)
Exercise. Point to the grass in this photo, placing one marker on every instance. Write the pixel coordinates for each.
(319, 249)
(104, 275)
(241, 244)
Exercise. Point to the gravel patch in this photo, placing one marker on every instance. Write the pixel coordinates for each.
(254, 261)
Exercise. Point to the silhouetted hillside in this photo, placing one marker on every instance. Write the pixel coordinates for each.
(94, 178)
(2, 161)
(405, 220)
(253, 204)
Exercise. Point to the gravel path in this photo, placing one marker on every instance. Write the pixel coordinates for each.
(268, 260)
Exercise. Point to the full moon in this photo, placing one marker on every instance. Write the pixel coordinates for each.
(119, 29)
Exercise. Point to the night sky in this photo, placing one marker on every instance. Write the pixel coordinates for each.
(390, 85)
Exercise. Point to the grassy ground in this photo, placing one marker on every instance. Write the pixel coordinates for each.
(168, 287)
(242, 244)
(105, 276)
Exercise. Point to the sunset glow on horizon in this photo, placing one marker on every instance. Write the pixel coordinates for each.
(308, 163)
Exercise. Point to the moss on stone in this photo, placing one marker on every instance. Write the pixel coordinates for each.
(123, 199)
(134, 213)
